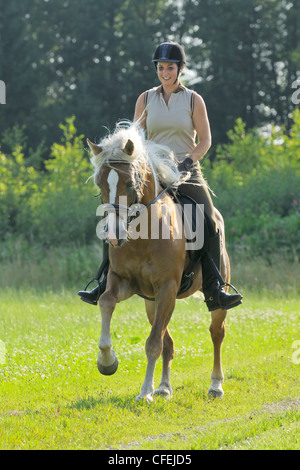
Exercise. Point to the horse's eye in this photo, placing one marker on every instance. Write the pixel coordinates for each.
(129, 185)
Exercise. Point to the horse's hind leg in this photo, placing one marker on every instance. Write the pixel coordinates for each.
(164, 306)
(165, 388)
(217, 331)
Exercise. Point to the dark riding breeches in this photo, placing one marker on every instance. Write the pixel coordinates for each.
(196, 188)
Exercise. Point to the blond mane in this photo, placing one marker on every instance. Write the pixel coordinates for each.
(147, 156)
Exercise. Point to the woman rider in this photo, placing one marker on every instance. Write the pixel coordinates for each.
(174, 116)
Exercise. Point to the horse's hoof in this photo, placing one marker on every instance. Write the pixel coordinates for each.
(163, 392)
(147, 398)
(215, 393)
(108, 370)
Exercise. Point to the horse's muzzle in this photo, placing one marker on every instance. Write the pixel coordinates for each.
(114, 242)
(116, 230)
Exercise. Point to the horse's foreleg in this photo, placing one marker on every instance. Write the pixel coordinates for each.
(164, 306)
(107, 361)
(217, 331)
(164, 388)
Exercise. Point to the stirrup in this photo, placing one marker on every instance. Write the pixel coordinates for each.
(230, 285)
(90, 282)
(214, 300)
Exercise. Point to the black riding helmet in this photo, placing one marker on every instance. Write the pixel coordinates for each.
(170, 52)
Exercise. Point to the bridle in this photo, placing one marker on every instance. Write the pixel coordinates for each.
(132, 211)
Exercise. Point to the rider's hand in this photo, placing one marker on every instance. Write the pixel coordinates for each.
(185, 165)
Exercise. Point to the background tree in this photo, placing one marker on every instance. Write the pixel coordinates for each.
(246, 56)
(92, 58)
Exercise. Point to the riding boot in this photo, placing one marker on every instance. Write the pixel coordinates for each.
(214, 294)
(92, 297)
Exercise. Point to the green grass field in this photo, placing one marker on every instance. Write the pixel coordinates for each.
(52, 396)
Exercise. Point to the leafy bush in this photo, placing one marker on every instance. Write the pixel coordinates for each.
(257, 182)
(53, 206)
(18, 181)
(256, 178)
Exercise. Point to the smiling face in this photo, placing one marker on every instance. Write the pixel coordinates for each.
(167, 72)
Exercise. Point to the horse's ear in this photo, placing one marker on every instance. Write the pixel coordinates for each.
(129, 147)
(94, 148)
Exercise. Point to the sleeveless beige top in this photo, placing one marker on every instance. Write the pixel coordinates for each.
(171, 124)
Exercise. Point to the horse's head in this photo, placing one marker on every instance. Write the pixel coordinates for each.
(115, 176)
(129, 170)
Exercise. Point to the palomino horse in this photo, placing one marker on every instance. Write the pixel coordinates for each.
(129, 168)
